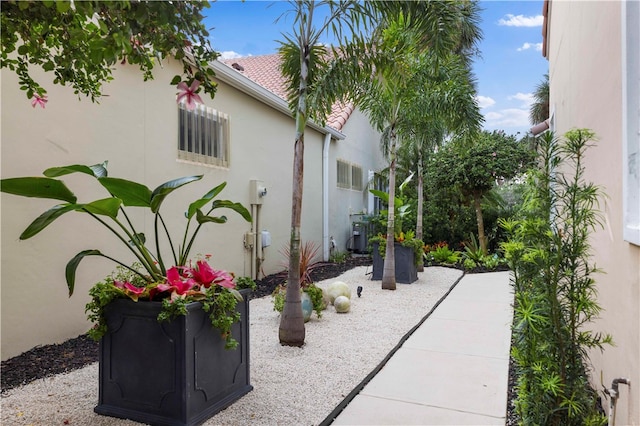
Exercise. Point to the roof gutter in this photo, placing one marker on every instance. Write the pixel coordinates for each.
(230, 76)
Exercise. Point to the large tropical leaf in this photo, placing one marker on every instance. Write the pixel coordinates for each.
(236, 207)
(161, 192)
(97, 170)
(198, 204)
(45, 219)
(106, 207)
(131, 193)
(72, 266)
(38, 187)
(202, 218)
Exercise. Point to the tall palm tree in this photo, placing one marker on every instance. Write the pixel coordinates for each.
(409, 46)
(539, 110)
(306, 64)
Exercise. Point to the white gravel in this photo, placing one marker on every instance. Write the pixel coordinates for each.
(292, 386)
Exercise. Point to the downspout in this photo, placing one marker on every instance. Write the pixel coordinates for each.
(325, 197)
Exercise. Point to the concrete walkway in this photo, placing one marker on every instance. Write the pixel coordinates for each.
(453, 370)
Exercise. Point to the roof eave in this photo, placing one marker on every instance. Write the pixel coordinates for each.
(232, 77)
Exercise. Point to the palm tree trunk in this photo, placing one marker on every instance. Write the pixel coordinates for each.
(292, 331)
(419, 213)
(477, 201)
(389, 269)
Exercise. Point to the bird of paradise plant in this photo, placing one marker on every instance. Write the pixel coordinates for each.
(149, 278)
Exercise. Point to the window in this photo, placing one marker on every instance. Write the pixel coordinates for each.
(203, 135)
(349, 176)
(631, 120)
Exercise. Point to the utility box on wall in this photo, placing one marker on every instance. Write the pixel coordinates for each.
(257, 191)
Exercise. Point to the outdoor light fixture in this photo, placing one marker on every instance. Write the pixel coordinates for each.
(359, 290)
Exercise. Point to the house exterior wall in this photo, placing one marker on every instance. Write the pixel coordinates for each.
(585, 74)
(361, 147)
(135, 128)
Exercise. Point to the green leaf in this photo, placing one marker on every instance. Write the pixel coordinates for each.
(236, 207)
(161, 192)
(63, 6)
(38, 187)
(97, 170)
(131, 193)
(70, 270)
(138, 239)
(23, 49)
(202, 218)
(45, 219)
(198, 204)
(105, 207)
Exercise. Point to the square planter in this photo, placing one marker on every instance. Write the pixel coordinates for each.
(406, 270)
(170, 373)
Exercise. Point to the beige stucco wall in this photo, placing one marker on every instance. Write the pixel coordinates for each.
(362, 147)
(135, 128)
(586, 92)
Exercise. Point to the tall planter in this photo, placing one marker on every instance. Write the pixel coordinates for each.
(170, 373)
(406, 270)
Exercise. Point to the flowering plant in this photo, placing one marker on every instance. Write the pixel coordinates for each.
(148, 278)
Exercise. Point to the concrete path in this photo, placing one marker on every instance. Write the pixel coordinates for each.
(453, 370)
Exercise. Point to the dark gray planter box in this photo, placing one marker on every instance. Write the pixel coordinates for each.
(170, 373)
(406, 270)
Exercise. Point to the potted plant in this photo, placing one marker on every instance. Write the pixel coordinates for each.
(408, 254)
(174, 341)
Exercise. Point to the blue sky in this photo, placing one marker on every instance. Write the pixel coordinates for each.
(510, 67)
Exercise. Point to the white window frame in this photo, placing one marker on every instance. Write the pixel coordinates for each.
(203, 136)
(631, 121)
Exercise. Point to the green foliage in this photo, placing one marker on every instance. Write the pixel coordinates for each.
(406, 240)
(338, 257)
(221, 306)
(110, 212)
(554, 285)
(80, 42)
(245, 282)
(469, 264)
(315, 293)
(444, 255)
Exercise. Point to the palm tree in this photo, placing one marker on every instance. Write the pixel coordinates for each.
(540, 107)
(306, 64)
(410, 47)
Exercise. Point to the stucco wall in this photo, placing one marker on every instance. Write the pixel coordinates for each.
(586, 92)
(135, 128)
(361, 147)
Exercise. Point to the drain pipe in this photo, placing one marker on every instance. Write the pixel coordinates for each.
(325, 197)
(614, 394)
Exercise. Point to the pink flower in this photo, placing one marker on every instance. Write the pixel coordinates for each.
(39, 100)
(130, 290)
(175, 284)
(206, 275)
(189, 93)
(494, 154)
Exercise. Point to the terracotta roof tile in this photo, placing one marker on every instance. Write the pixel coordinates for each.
(265, 71)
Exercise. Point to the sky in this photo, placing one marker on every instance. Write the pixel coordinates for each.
(508, 70)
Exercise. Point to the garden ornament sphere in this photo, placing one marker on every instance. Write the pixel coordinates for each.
(342, 304)
(338, 288)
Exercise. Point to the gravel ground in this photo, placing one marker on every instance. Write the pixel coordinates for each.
(292, 386)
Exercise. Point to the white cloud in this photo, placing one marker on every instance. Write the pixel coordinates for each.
(527, 46)
(521, 21)
(526, 98)
(505, 118)
(230, 54)
(485, 101)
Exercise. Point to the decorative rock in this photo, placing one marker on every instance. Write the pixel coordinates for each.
(342, 304)
(307, 306)
(338, 288)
